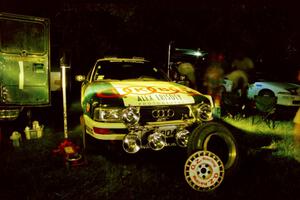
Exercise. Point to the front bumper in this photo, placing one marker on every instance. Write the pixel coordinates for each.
(117, 131)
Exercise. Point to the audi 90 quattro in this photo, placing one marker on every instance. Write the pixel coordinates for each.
(131, 100)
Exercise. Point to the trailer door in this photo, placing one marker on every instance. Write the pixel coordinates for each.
(24, 60)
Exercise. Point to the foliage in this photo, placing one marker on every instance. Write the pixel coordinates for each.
(280, 137)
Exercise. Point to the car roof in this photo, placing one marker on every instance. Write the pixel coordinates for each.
(121, 59)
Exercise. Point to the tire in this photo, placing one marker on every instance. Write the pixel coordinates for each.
(89, 144)
(215, 137)
(92, 145)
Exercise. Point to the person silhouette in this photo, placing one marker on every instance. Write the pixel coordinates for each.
(188, 70)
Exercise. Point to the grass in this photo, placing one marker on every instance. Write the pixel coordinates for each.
(281, 135)
(34, 172)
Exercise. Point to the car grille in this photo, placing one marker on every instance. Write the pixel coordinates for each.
(177, 113)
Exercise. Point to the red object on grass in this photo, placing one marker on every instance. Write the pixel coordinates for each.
(70, 152)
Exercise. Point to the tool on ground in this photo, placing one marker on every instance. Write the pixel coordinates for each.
(67, 149)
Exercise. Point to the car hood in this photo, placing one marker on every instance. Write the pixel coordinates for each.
(278, 85)
(142, 93)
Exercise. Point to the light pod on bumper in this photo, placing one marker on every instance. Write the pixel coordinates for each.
(203, 112)
(157, 141)
(182, 137)
(131, 115)
(132, 143)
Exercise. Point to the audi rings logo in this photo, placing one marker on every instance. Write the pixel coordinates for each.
(162, 114)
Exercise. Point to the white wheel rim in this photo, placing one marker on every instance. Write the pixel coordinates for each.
(204, 171)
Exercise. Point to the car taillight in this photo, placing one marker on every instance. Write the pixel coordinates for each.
(101, 130)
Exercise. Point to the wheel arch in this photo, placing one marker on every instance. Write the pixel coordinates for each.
(266, 91)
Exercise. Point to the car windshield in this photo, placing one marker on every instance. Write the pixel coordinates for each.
(127, 70)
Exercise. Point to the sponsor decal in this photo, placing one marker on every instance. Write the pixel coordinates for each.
(157, 94)
(140, 90)
(158, 99)
(204, 171)
(109, 93)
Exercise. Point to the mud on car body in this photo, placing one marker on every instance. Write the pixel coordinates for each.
(129, 99)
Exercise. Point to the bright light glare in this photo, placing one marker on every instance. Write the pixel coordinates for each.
(191, 52)
(197, 53)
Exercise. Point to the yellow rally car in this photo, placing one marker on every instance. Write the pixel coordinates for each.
(129, 99)
(132, 101)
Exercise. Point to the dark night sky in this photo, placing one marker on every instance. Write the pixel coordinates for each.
(268, 31)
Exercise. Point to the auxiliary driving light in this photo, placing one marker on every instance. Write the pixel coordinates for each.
(131, 143)
(182, 137)
(157, 141)
(131, 115)
(204, 112)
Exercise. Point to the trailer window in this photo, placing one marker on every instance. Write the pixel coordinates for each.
(20, 36)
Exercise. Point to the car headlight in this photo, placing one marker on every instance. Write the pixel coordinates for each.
(131, 115)
(108, 114)
(203, 112)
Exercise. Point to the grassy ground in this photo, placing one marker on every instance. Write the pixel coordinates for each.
(34, 172)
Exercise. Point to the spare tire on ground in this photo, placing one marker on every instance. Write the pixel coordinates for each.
(216, 138)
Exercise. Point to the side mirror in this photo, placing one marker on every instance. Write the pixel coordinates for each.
(80, 78)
